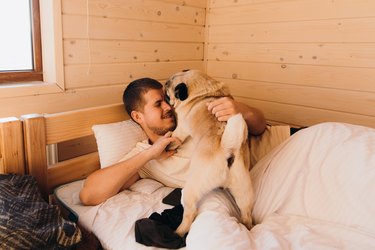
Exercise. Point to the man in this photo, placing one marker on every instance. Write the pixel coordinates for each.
(145, 103)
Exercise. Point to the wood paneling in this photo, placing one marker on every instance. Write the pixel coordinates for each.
(108, 43)
(86, 75)
(110, 51)
(229, 12)
(117, 41)
(337, 30)
(323, 98)
(240, 3)
(328, 54)
(301, 62)
(114, 28)
(305, 116)
(195, 3)
(155, 11)
(302, 75)
(64, 101)
(308, 57)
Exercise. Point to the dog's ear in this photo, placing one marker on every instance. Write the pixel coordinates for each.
(181, 91)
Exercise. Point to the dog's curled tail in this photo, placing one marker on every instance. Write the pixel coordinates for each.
(235, 134)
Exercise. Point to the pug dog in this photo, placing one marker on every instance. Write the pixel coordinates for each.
(221, 155)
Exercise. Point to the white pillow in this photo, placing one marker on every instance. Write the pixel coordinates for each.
(115, 140)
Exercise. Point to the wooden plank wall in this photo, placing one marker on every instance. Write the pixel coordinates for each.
(301, 62)
(108, 43)
(112, 42)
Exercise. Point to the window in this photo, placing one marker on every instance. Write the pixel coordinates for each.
(20, 43)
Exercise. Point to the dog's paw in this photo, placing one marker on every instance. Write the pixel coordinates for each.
(248, 222)
(181, 231)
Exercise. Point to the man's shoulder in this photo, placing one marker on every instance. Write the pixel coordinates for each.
(142, 145)
(138, 147)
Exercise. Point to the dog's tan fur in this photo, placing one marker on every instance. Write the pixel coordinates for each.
(221, 156)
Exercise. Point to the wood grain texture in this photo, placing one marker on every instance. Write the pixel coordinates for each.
(298, 115)
(301, 62)
(317, 31)
(155, 11)
(324, 54)
(93, 75)
(238, 12)
(104, 45)
(78, 51)
(35, 150)
(48, 129)
(12, 159)
(75, 124)
(73, 169)
(75, 26)
(360, 79)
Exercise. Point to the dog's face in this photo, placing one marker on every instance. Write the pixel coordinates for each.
(190, 84)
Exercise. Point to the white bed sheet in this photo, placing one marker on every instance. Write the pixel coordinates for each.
(314, 191)
(113, 221)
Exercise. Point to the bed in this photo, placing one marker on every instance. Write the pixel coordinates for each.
(314, 189)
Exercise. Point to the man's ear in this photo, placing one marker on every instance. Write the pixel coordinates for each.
(181, 91)
(136, 116)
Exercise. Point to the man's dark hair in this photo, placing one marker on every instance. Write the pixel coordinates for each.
(133, 93)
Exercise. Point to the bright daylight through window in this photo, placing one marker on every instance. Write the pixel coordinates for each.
(20, 41)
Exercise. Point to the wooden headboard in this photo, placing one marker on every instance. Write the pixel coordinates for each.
(12, 158)
(51, 129)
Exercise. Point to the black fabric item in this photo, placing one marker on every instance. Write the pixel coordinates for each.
(173, 198)
(295, 130)
(159, 229)
(171, 217)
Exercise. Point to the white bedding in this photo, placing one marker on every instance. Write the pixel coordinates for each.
(314, 191)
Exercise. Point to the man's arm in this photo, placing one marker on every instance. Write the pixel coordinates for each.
(105, 183)
(225, 107)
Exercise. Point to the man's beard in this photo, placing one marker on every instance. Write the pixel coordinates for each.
(163, 131)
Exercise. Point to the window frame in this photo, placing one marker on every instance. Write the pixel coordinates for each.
(53, 58)
(36, 74)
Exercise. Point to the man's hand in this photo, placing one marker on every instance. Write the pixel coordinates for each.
(223, 108)
(158, 149)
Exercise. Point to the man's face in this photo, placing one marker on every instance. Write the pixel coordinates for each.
(157, 116)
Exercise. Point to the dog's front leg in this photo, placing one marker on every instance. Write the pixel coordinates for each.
(181, 134)
(205, 174)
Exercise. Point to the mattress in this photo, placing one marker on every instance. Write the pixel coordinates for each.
(334, 162)
(67, 196)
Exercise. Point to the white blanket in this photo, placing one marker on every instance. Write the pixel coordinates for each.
(314, 191)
